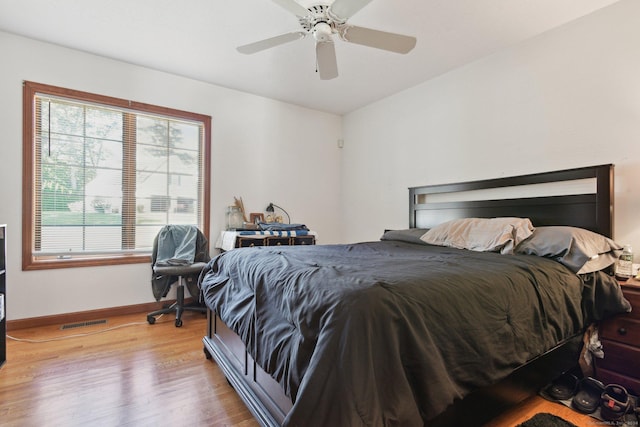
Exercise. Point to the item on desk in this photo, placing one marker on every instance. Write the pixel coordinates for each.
(277, 226)
(235, 219)
(240, 204)
(256, 217)
(271, 214)
(274, 219)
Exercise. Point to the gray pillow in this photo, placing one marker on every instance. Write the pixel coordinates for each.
(411, 235)
(481, 234)
(581, 250)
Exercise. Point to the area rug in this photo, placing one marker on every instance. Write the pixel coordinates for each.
(546, 420)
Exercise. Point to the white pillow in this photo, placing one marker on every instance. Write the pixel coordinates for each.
(481, 234)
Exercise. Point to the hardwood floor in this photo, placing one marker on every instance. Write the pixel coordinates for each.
(536, 405)
(140, 375)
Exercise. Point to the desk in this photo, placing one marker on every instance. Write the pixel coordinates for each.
(229, 240)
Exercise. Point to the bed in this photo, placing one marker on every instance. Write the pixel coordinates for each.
(406, 332)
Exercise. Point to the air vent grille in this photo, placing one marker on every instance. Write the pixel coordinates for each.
(83, 324)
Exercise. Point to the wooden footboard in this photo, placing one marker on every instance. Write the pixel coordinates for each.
(261, 393)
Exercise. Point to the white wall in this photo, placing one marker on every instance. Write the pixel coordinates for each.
(262, 150)
(568, 98)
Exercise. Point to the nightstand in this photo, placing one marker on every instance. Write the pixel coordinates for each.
(620, 337)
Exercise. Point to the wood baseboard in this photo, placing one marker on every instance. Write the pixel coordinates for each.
(80, 316)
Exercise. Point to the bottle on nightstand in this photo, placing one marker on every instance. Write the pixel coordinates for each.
(624, 266)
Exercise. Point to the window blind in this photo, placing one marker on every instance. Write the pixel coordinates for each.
(106, 178)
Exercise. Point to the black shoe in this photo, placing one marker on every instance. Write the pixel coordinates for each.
(563, 387)
(615, 402)
(587, 399)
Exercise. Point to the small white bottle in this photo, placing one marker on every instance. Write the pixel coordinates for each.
(624, 267)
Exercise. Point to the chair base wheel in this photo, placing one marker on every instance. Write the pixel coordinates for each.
(207, 355)
(178, 323)
(151, 320)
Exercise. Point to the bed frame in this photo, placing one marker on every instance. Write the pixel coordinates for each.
(591, 209)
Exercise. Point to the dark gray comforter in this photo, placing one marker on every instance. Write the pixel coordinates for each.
(390, 332)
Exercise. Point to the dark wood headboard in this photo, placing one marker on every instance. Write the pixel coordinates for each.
(590, 209)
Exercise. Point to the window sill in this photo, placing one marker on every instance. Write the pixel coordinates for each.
(46, 263)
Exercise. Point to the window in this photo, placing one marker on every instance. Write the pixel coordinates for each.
(102, 175)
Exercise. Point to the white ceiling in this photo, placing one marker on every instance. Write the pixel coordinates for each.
(197, 39)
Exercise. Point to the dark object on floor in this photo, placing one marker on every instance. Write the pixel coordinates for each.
(546, 420)
(563, 387)
(611, 405)
(587, 399)
(615, 402)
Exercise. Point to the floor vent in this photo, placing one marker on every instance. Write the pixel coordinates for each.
(83, 324)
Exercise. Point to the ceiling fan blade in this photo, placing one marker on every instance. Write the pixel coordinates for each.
(327, 63)
(345, 9)
(293, 7)
(271, 42)
(379, 39)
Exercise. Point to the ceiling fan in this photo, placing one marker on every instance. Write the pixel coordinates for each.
(325, 20)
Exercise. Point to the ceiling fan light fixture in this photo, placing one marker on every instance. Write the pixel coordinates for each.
(322, 32)
(323, 19)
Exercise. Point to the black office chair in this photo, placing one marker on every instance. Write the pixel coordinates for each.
(180, 252)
